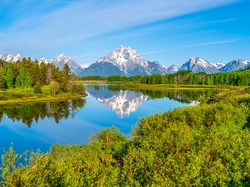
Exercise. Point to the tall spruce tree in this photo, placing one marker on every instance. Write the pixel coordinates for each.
(28, 80)
(20, 79)
(2, 80)
(9, 78)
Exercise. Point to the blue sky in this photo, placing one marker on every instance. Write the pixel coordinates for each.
(163, 30)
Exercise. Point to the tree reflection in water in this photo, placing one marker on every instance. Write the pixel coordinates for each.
(32, 112)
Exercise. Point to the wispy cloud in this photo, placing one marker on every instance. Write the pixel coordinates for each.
(198, 45)
(216, 42)
(48, 28)
(149, 52)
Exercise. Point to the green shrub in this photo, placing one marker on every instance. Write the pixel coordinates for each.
(54, 87)
(78, 88)
(37, 88)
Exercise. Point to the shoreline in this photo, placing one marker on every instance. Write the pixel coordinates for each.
(42, 99)
(165, 87)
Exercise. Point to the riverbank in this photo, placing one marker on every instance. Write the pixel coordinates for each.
(93, 82)
(27, 95)
(162, 87)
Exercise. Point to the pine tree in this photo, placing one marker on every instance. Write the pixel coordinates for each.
(20, 79)
(28, 80)
(43, 72)
(2, 80)
(66, 70)
(9, 78)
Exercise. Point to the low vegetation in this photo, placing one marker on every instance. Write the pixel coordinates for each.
(204, 145)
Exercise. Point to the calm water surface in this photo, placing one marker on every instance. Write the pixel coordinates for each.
(40, 125)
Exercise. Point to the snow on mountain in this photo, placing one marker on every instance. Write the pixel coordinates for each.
(172, 69)
(235, 64)
(128, 61)
(83, 66)
(197, 64)
(219, 65)
(166, 67)
(9, 57)
(125, 58)
(46, 60)
(59, 61)
(63, 59)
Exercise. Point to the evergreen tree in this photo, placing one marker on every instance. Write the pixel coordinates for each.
(20, 80)
(9, 78)
(43, 72)
(28, 80)
(66, 70)
(2, 80)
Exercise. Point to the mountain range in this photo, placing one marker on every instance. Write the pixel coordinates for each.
(126, 61)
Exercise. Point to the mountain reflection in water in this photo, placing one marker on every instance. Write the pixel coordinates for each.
(123, 102)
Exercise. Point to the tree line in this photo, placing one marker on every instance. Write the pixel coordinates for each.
(235, 78)
(28, 73)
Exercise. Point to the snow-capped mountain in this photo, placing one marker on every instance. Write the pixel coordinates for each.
(127, 61)
(197, 64)
(235, 64)
(219, 65)
(123, 102)
(83, 66)
(172, 69)
(8, 57)
(45, 60)
(124, 58)
(63, 59)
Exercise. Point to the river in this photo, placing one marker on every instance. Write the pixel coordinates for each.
(40, 125)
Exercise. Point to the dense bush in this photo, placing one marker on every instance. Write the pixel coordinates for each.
(78, 88)
(38, 88)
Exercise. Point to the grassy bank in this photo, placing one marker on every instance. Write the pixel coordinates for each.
(93, 82)
(176, 87)
(12, 96)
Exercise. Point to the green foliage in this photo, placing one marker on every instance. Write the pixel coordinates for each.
(26, 73)
(66, 70)
(2, 79)
(38, 88)
(30, 113)
(28, 81)
(9, 78)
(20, 80)
(78, 88)
(54, 87)
(235, 78)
